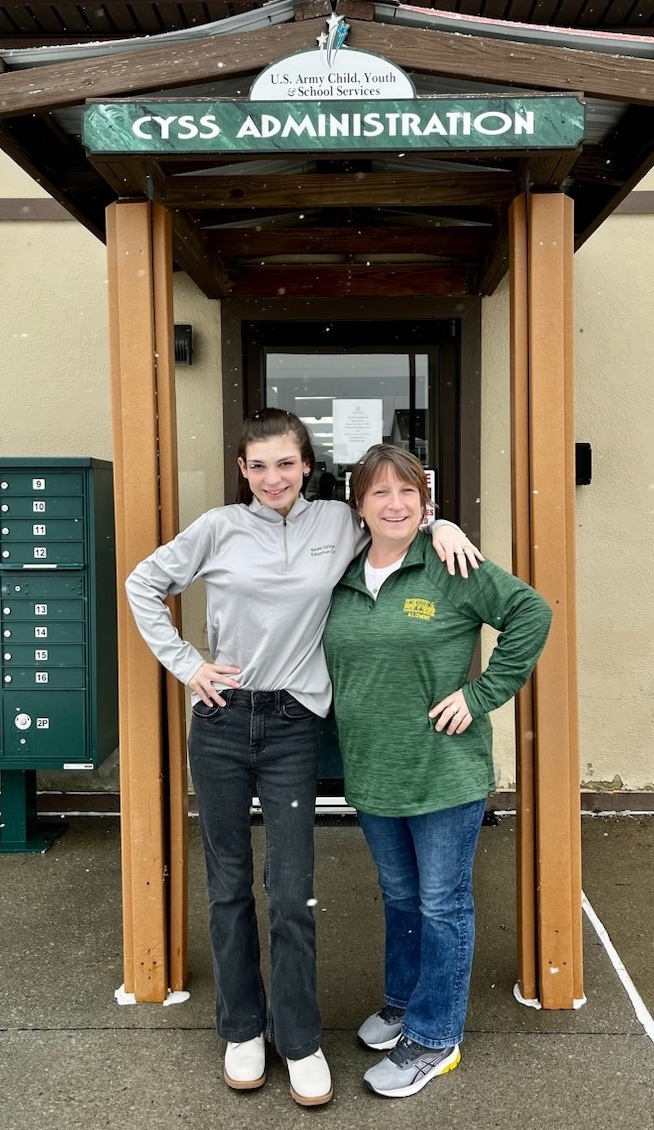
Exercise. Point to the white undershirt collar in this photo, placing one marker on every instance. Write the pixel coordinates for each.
(375, 578)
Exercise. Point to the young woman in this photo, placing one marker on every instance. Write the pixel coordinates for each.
(269, 565)
(416, 744)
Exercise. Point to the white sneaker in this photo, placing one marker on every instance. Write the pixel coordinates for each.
(310, 1079)
(245, 1064)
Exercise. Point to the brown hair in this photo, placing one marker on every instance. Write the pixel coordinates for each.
(265, 424)
(369, 469)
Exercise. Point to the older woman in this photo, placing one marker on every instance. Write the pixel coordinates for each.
(416, 743)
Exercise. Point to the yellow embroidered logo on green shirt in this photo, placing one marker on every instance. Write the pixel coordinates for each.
(418, 609)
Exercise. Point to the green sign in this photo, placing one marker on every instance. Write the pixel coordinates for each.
(463, 123)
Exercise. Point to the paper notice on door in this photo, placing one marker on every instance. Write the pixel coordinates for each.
(357, 425)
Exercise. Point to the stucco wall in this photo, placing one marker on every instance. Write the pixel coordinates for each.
(614, 278)
(53, 338)
(615, 514)
(54, 378)
(496, 489)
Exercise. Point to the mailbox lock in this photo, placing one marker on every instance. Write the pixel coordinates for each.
(6, 611)
(7, 633)
(22, 721)
(5, 530)
(5, 553)
(4, 485)
(4, 508)
(7, 678)
(7, 655)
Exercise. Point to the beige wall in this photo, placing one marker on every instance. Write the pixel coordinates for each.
(615, 514)
(55, 400)
(54, 378)
(53, 340)
(496, 488)
(15, 183)
(614, 278)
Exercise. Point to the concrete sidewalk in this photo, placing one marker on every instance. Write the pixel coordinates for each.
(70, 1057)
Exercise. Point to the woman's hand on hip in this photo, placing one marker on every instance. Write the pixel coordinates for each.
(210, 673)
(451, 714)
(456, 550)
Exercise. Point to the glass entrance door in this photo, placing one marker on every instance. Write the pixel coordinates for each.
(354, 385)
(354, 398)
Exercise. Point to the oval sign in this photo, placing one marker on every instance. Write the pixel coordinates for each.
(308, 76)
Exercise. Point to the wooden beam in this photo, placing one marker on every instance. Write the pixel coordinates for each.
(201, 263)
(124, 177)
(496, 262)
(132, 342)
(27, 142)
(539, 170)
(542, 414)
(123, 613)
(315, 190)
(527, 933)
(509, 62)
(206, 269)
(603, 164)
(175, 774)
(552, 571)
(536, 66)
(355, 9)
(160, 68)
(595, 202)
(311, 9)
(574, 768)
(129, 180)
(351, 240)
(330, 281)
(401, 215)
(542, 169)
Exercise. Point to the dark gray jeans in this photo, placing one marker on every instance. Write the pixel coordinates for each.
(262, 742)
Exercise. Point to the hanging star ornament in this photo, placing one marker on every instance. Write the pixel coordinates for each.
(329, 42)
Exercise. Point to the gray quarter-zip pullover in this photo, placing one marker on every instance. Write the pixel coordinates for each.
(268, 582)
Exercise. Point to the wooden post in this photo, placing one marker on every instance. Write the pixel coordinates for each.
(571, 565)
(132, 345)
(175, 722)
(550, 950)
(521, 525)
(121, 572)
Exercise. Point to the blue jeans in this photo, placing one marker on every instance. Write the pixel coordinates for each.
(261, 742)
(425, 874)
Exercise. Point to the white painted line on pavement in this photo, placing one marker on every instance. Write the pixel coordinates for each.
(640, 1008)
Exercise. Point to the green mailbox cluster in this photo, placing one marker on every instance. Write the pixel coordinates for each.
(59, 690)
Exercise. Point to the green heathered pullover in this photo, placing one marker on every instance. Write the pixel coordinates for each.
(392, 659)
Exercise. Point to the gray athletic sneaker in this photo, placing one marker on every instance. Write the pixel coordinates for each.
(407, 1068)
(382, 1030)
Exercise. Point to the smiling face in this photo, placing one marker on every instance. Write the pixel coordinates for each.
(274, 468)
(392, 510)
